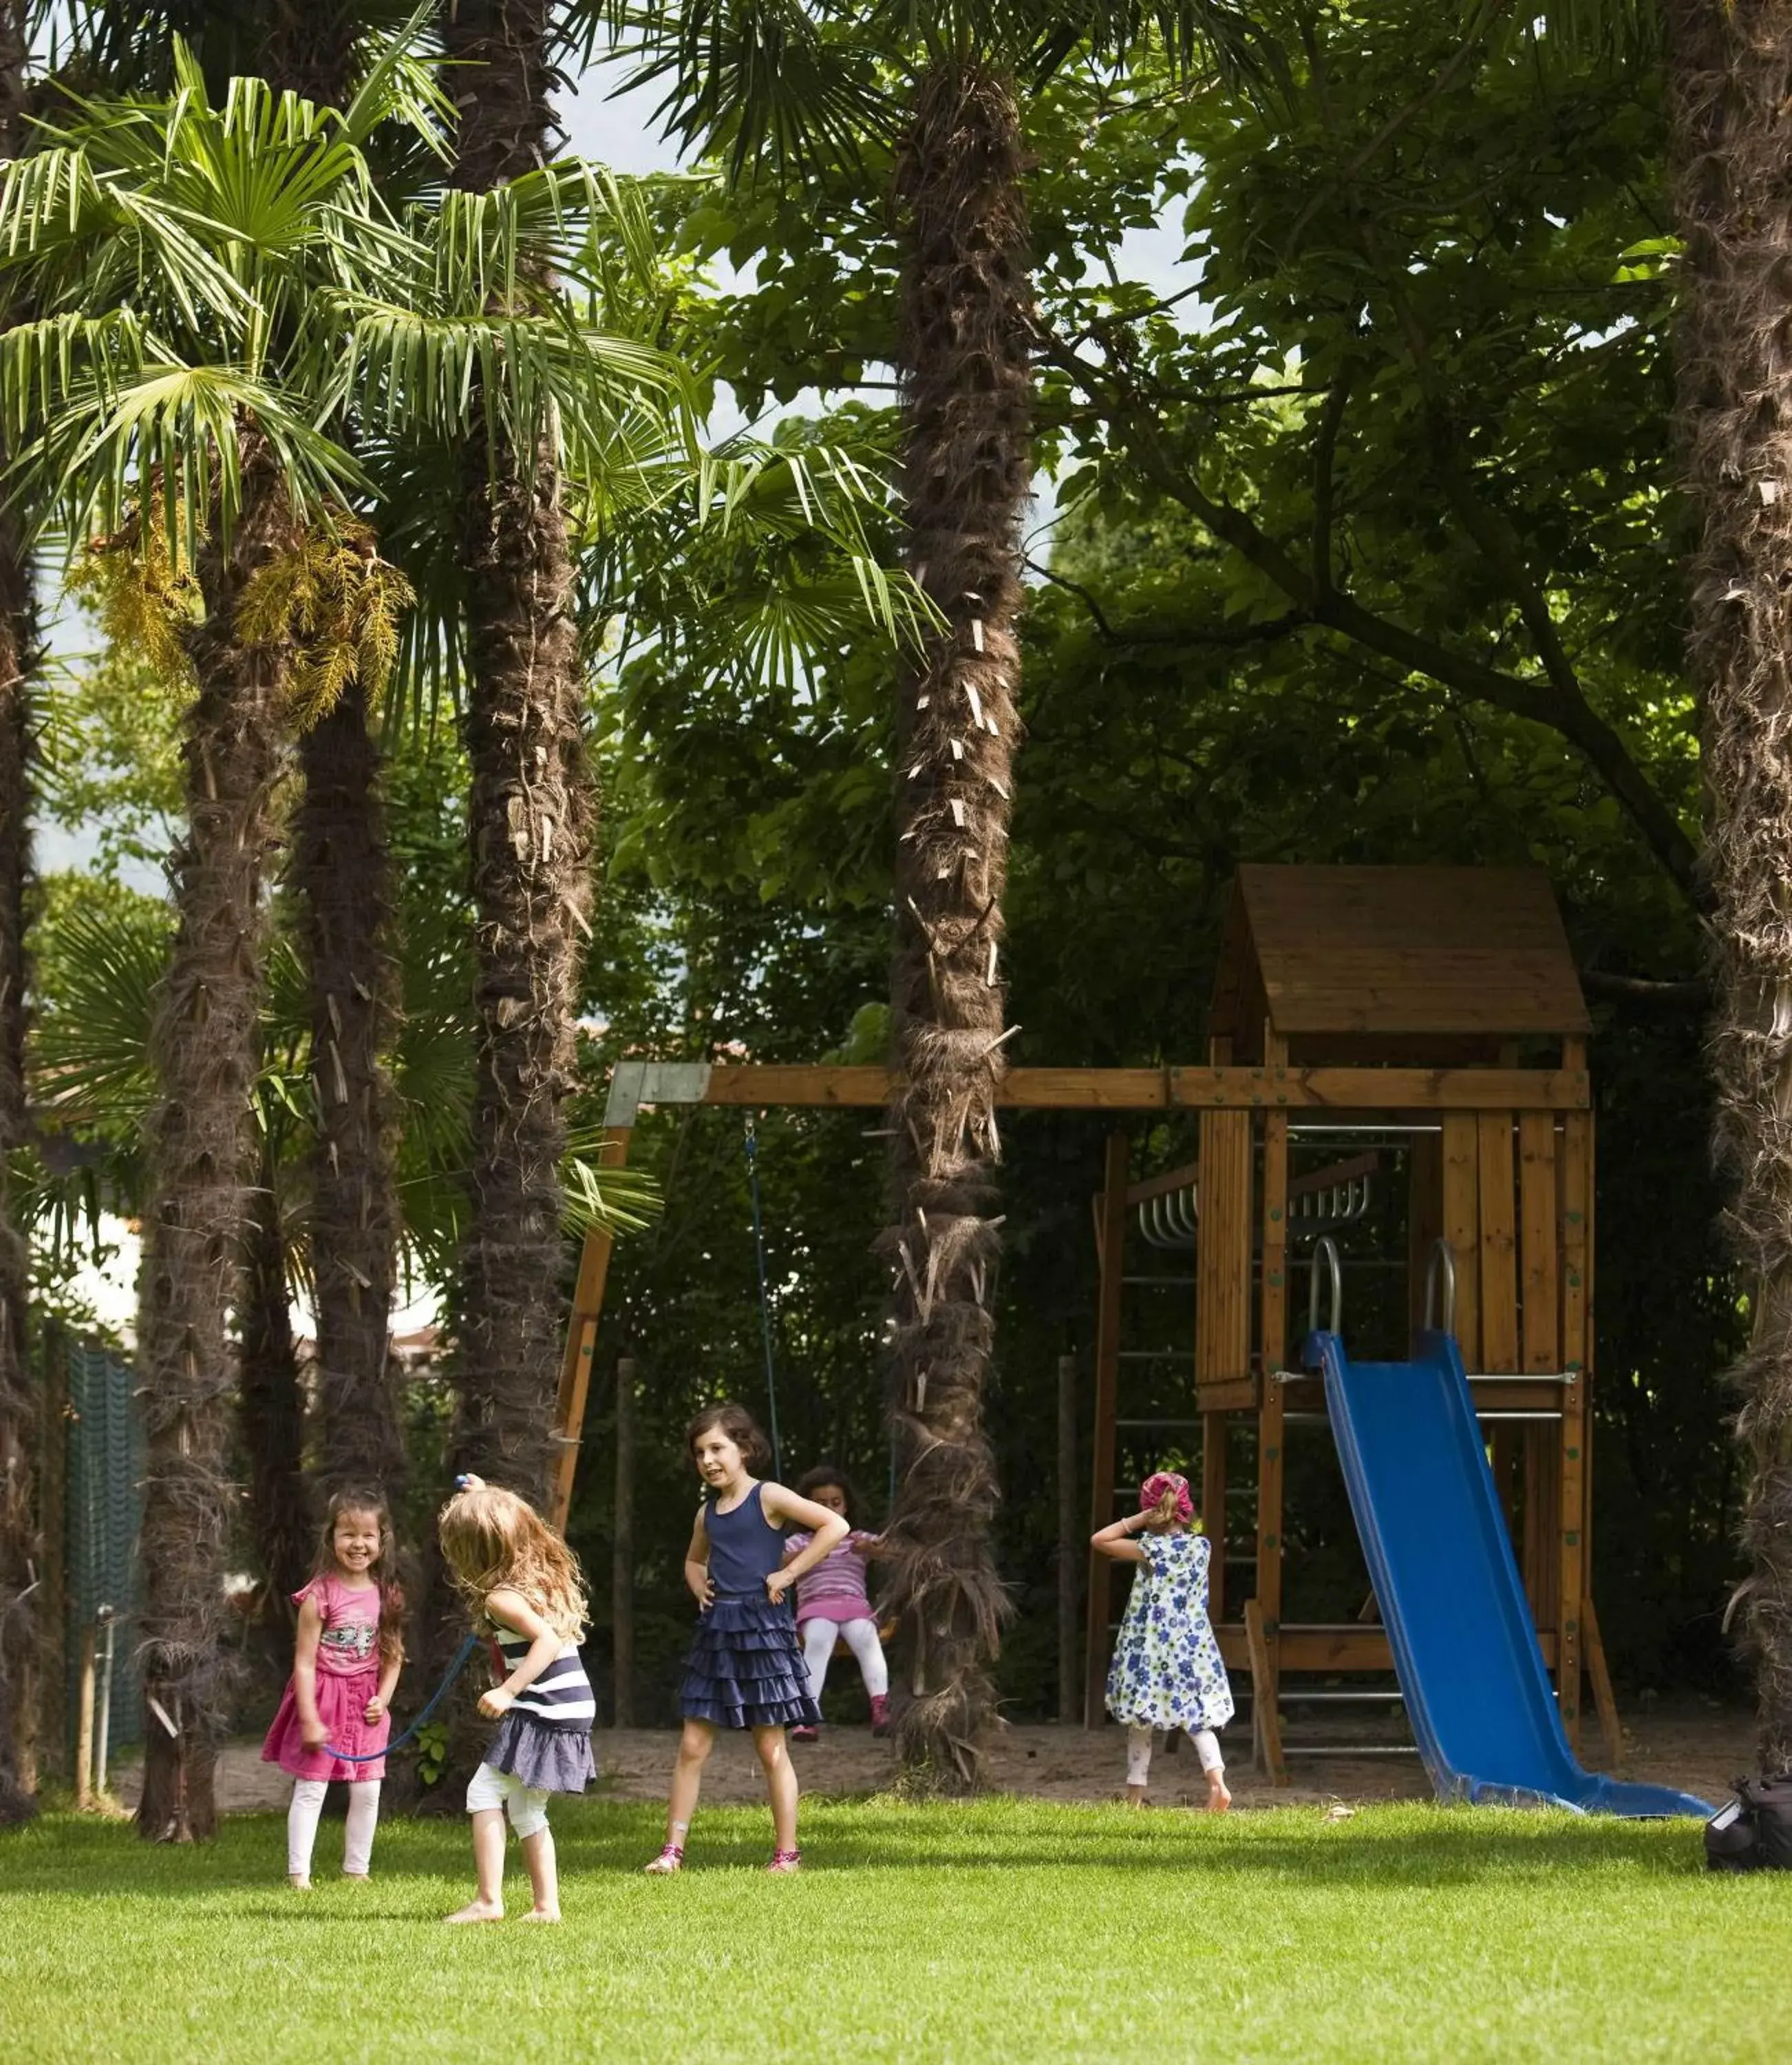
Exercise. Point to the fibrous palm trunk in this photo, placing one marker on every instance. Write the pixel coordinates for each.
(1731, 73)
(529, 829)
(966, 395)
(17, 1526)
(273, 1408)
(17, 658)
(206, 1049)
(342, 867)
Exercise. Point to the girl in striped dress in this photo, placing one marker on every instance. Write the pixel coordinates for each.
(523, 1586)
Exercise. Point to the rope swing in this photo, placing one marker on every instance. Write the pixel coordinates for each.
(752, 1151)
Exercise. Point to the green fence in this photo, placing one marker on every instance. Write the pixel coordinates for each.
(103, 1506)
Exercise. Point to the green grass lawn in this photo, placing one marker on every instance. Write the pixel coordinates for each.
(1005, 1931)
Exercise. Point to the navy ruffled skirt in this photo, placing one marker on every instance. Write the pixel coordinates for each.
(546, 1758)
(746, 1668)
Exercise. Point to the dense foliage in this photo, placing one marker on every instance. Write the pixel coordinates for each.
(1362, 547)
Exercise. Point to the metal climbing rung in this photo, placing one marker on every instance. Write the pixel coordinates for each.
(1291, 1698)
(1168, 1221)
(1344, 1751)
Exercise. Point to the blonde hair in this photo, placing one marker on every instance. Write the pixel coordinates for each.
(492, 1540)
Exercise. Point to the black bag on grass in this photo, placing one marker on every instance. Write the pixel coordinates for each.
(1755, 1832)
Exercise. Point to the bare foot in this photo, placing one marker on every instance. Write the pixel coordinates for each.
(479, 1910)
(542, 1915)
(356, 1878)
(300, 1882)
(1135, 1796)
(1219, 1798)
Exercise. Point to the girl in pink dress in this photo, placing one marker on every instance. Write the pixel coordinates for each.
(834, 1604)
(346, 1658)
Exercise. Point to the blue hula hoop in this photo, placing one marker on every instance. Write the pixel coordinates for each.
(435, 1699)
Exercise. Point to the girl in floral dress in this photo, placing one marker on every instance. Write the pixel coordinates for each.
(1167, 1672)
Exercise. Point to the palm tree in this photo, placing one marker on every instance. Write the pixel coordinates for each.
(780, 85)
(529, 826)
(224, 293)
(18, 654)
(1727, 69)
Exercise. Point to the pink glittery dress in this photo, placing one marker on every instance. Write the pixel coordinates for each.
(348, 1677)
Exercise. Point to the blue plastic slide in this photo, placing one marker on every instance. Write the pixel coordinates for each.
(1479, 1700)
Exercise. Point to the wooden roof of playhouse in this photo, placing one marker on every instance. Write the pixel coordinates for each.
(1452, 958)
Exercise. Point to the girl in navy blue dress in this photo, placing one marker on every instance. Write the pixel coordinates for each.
(746, 1669)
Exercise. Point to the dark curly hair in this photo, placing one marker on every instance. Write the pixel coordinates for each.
(811, 1481)
(740, 1427)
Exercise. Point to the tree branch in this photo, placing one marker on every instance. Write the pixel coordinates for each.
(1557, 703)
(1325, 454)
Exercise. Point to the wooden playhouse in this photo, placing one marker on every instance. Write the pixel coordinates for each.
(1396, 1056)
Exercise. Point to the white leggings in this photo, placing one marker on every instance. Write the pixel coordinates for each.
(490, 1788)
(1138, 1752)
(861, 1637)
(302, 1817)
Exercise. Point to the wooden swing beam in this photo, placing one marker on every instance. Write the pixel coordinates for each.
(758, 1086)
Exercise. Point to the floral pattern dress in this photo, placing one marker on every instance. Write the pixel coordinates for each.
(1167, 1672)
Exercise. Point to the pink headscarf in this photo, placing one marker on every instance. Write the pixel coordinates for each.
(1157, 1484)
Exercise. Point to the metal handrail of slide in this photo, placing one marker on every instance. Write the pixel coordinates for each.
(1325, 1250)
(1442, 1264)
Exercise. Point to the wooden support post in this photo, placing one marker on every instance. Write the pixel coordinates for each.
(1571, 1578)
(1213, 1508)
(1070, 1549)
(1266, 1715)
(83, 1724)
(1111, 1253)
(582, 1323)
(622, 1551)
(1424, 1219)
(1270, 1426)
(1604, 1698)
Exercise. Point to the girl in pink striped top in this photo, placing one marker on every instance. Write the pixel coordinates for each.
(834, 1606)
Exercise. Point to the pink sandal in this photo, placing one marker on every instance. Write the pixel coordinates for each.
(784, 1861)
(668, 1861)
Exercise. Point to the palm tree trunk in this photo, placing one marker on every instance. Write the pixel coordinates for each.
(967, 398)
(1731, 77)
(272, 1409)
(19, 657)
(529, 831)
(205, 1045)
(18, 1524)
(343, 869)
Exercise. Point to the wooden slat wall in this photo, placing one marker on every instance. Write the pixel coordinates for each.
(1539, 1269)
(1223, 1259)
(1498, 1287)
(1461, 1226)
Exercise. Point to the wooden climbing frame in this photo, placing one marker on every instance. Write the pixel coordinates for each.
(1377, 970)
(1383, 996)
